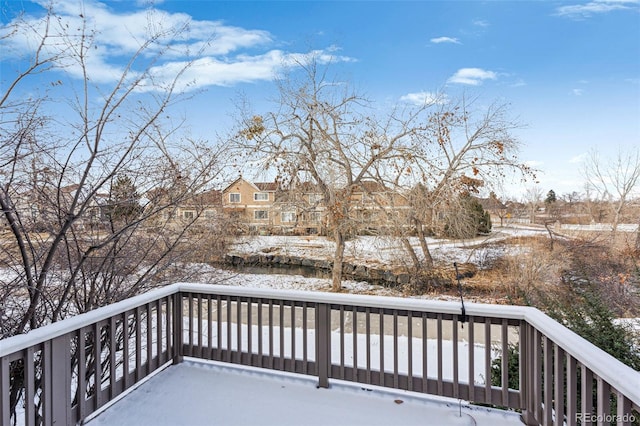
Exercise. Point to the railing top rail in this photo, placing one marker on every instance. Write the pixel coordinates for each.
(421, 305)
(619, 375)
(48, 332)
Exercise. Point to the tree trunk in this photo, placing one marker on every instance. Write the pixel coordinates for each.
(546, 225)
(412, 253)
(428, 259)
(638, 237)
(336, 274)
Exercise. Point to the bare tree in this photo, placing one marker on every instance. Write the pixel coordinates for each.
(571, 198)
(533, 199)
(79, 193)
(323, 133)
(613, 179)
(498, 208)
(593, 205)
(89, 181)
(637, 243)
(459, 151)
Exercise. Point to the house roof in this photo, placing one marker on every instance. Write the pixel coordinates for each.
(491, 203)
(267, 186)
(70, 188)
(207, 198)
(259, 186)
(370, 186)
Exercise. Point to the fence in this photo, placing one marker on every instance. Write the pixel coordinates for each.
(506, 356)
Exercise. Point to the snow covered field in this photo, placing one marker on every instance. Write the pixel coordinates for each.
(371, 250)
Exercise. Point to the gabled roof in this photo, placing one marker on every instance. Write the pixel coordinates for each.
(207, 198)
(370, 186)
(267, 186)
(240, 179)
(259, 186)
(491, 204)
(70, 188)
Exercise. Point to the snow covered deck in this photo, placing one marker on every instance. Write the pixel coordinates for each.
(203, 393)
(278, 346)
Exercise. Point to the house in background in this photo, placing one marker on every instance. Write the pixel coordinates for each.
(267, 208)
(301, 210)
(376, 209)
(42, 209)
(496, 209)
(251, 204)
(205, 208)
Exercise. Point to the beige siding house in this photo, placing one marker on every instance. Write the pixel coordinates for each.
(263, 207)
(251, 203)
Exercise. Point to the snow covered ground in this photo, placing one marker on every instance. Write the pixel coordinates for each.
(623, 227)
(384, 251)
(204, 393)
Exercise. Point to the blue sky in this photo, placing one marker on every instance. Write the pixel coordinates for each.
(570, 70)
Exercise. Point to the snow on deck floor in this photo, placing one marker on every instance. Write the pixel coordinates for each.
(197, 393)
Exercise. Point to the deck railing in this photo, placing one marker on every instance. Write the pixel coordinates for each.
(507, 356)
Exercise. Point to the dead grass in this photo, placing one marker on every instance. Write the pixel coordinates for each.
(533, 272)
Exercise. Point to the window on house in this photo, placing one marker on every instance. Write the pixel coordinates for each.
(210, 214)
(315, 217)
(288, 217)
(261, 196)
(187, 215)
(234, 197)
(315, 198)
(260, 214)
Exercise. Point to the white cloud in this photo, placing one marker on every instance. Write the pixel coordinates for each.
(438, 40)
(424, 98)
(148, 3)
(586, 10)
(578, 158)
(480, 23)
(472, 76)
(212, 46)
(577, 92)
(209, 71)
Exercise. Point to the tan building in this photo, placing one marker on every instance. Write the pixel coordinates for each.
(263, 207)
(251, 204)
(205, 208)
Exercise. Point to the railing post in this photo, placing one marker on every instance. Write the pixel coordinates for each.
(526, 372)
(5, 415)
(323, 343)
(177, 328)
(60, 380)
